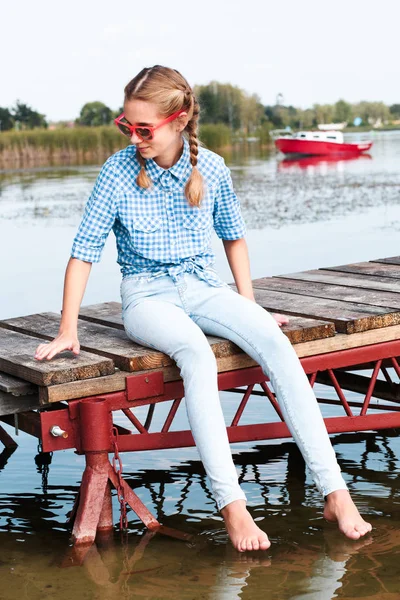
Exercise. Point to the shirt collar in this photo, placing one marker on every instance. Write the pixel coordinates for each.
(179, 169)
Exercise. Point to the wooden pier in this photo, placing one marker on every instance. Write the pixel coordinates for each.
(344, 325)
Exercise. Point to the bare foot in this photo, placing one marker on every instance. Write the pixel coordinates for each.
(340, 508)
(243, 532)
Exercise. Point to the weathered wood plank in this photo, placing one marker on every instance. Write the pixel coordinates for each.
(331, 292)
(10, 404)
(369, 282)
(14, 385)
(113, 343)
(17, 358)
(104, 313)
(369, 268)
(116, 382)
(346, 342)
(300, 330)
(109, 342)
(297, 330)
(393, 260)
(348, 317)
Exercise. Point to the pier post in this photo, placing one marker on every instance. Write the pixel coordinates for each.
(94, 512)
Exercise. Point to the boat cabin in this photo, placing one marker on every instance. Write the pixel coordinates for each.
(321, 136)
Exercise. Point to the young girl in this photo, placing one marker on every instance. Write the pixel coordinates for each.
(162, 196)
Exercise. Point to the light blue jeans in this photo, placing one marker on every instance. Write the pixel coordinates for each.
(172, 316)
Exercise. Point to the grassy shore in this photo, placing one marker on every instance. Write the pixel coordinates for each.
(85, 145)
(41, 147)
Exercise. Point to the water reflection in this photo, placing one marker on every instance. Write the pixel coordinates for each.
(150, 567)
(320, 164)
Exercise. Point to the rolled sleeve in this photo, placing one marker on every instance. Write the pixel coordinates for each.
(99, 216)
(228, 220)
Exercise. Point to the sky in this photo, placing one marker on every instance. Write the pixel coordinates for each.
(55, 57)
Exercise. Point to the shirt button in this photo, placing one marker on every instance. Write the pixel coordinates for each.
(172, 243)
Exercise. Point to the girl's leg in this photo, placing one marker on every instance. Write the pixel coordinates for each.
(223, 312)
(166, 327)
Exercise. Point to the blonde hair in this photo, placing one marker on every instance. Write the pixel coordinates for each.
(170, 91)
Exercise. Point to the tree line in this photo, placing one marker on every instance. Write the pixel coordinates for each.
(223, 104)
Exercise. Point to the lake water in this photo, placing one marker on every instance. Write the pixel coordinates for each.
(300, 215)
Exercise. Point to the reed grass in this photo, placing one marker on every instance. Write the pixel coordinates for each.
(216, 136)
(83, 145)
(72, 146)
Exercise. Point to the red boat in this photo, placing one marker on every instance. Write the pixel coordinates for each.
(318, 143)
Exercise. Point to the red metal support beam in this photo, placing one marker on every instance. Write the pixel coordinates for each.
(371, 388)
(340, 393)
(242, 405)
(171, 415)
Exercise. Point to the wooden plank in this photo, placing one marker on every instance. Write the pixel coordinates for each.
(369, 282)
(300, 330)
(14, 385)
(109, 342)
(393, 260)
(369, 268)
(95, 339)
(116, 382)
(17, 358)
(347, 342)
(10, 404)
(113, 343)
(297, 330)
(330, 291)
(348, 317)
(104, 313)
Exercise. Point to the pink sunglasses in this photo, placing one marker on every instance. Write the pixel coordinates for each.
(143, 132)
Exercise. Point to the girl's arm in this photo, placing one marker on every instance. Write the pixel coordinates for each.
(76, 277)
(239, 263)
(238, 259)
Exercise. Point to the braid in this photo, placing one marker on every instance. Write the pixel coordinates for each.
(143, 180)
(194, 189)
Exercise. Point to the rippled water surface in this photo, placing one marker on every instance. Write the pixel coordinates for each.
(300, 215)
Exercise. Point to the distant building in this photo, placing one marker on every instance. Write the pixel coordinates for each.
(61, 125)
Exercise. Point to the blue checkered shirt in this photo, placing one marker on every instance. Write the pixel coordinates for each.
(157, 231)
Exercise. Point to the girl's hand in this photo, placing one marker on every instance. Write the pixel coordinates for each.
(64, 341)
(280, 319)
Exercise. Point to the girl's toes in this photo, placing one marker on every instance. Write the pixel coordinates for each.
(256, 545)
(264, 544)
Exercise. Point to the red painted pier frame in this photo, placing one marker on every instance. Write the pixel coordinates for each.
(88, 424)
